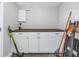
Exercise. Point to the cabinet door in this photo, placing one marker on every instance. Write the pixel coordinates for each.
(43, 46)
(22, 44)
(43, 42)
(0, 45)
(52, 45)
(54, 41)
(21, 41)
(33, 45)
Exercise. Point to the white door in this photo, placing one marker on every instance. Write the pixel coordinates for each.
(0, 44)
(53, 45)
(43, 46)
(33, 42)
(33, 45)
(21, 39)
(54, 41)
(43, 43)
(22, 44)
(1, 26)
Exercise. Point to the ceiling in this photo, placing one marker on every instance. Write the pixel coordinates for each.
(37, 4)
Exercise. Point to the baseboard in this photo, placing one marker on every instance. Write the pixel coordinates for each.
(9, 55)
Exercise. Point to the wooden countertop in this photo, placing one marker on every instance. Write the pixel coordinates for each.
(38, 30)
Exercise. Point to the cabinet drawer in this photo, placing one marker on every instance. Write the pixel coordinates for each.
(45, 35)
(18, 34)
(17, 38)
(56, 33)
(51, 35)
(27, 35)
(32, 35)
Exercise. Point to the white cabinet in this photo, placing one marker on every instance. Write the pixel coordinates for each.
(22, 44)
(0, 45)
(54, 41)
(51, 46)
(44, 42)
(38, 42)
(33, 45)
(21, 41)
(43, 46)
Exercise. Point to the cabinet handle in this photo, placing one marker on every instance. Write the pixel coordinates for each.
(38, 37)
(20, 33)
(57, 33)
(38, 33)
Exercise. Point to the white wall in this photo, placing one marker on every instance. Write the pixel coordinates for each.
(0, 31)
(64, 10)
(41, 17)
(1, 26)
(10, 18)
